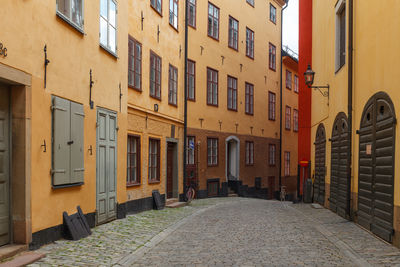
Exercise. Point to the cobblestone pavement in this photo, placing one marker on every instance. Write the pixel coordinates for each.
(227, 232)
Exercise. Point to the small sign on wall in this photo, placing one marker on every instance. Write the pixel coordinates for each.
(368, 149)
(3, 50)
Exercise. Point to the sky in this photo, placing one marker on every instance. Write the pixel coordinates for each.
(291, 25)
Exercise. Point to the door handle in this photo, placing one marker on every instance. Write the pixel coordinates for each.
(70, 142)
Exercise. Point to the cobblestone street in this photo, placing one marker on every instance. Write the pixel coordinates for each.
(226, 232)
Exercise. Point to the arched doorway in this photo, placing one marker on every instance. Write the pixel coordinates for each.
(232, 158)
(376, 166)
(338, 198)
(320, 154)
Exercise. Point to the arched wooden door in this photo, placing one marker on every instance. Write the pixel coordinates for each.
(376, 166)
(339, 165)
(320, 154)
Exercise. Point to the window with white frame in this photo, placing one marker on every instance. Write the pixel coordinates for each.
(340, 50)
(296, 83)
(173, 13)
(72, 11)
(192, 13)
(108, 25)
(213, 21)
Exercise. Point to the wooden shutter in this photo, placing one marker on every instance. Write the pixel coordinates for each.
(77, 147)
(60, 147)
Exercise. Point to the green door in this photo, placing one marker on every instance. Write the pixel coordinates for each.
(4, 166)
(106, 161)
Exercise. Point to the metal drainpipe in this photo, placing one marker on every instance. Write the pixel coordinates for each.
(280, 101)
(350, 108)
(185, 101)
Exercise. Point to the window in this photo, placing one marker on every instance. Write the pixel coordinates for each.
(288, 79)
(135, 64)
(133, 161)
(233, 33)
(272, 154)
(212, 87)
(191, 80)
(192, 13)
(249, 99)
(71, 11)
(108, 25)
(212, 151)
(271, 106)
(213, 21)
(340, 34)
(232, 93)
(157, 5)
(172, 85)
(155, 76)
(154, 160)
(250, 2)
(67, 142)
(272, 57)
(190, 156)
(296, 83)
(295, 120)
(287, 117)
(272, 13)
(287, 163)
(249, 43)
(173, 13)
(249, 153)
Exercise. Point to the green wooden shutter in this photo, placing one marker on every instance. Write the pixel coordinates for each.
(77, 147)
(60, 148)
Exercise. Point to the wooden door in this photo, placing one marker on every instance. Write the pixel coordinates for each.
(320, 152)
(170, 170)
(271, 187)
(4, 166)
(106, 161)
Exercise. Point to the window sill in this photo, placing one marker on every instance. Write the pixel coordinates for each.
(191, 99)
(214, 165)
(271, 119)
(133, 185)
(154, 97)
(340, 68)
(154, 182)
(274, 22)
(174, 105)
(232, 109)
(67, 185)
(193, 27)
(212, 105)
(158, 12)
(108, 50)
(134, 88)
(249, 165)
(250, 114)
(67, 20)
(231, 47)
(272, 69)
(212, 37)
(173, 27)
(248, 56)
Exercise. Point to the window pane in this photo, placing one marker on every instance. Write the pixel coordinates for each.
(103, 31)
(64, 7)
(112, 43)
(77, 12)
(112, 18)
(103, 8)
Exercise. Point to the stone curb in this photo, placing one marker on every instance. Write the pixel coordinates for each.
(342, 246)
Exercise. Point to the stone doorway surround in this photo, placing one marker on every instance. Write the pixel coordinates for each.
(229, 140)
(19, 83)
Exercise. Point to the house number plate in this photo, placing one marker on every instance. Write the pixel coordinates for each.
(3, 50)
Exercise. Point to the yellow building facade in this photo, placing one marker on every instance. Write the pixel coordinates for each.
(374, 175)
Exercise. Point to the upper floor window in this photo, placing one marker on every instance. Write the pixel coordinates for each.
(212, 87)
(173, 85)
(155, 76)
(249, 153)
(213, 21)
(173, 13)
(288, 117)
(192, 13)
(133, 165)
(212, 151)
(72, 11)
(108, 25)
(157, 5)
(272, 57)
(288, 79)
(233, 33)
(295, 120)
(340, 34)
(271, 106)
(232, 93)
(287, 163)
(249, 43)
(272, 13)
(249, 107)
(191, 80)
(134, 64)
(296, 83)
(250, 2)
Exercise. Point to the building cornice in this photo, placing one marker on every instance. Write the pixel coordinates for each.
(280, 2)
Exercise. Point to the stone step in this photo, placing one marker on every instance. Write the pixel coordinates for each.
(233, 195)
(23, 259)
(8, 251)
(176, 205)
(171, 200)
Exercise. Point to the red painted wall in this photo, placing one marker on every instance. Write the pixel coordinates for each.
(305, 56)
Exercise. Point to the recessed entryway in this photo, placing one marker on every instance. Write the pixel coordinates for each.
(172, 169)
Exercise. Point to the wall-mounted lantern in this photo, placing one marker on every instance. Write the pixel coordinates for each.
(309, 78)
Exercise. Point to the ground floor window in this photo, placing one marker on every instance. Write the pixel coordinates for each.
(212, 151)
(191, 143)
(154, 160)
(249, 153)
(133, 161)
(272, 152)
(287, 163)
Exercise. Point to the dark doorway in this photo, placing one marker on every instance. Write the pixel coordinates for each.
(320, 152)
(376, 166)
(170, 169)
(338, 200)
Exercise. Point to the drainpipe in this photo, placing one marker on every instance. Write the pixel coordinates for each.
(185, 105)
(350, 109)
(280, 103)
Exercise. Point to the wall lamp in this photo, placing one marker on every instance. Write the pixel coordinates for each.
(309, 77)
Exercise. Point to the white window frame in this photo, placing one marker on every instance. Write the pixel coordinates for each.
(69, 19)
(340, 5)
(172, 5)
(107, 46)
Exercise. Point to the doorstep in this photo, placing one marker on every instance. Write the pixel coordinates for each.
(22, 259)
(8, 251)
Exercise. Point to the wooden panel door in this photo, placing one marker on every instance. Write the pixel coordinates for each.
(320, 152)
(4, 166)
(170, 170)
(106, 161)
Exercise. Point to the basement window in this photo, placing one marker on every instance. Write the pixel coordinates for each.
(340, 49)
